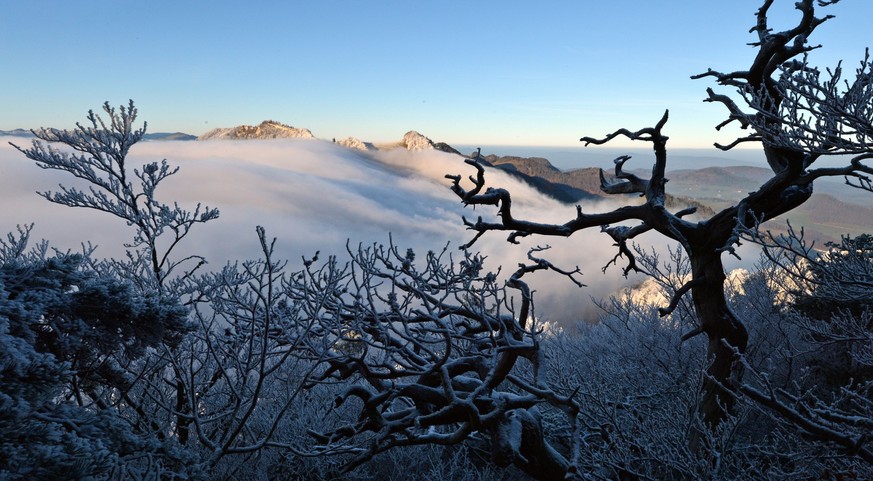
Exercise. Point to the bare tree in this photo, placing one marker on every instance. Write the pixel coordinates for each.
(437, 354)
(99, 157)
(797, 116)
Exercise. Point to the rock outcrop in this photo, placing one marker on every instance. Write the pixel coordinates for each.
(412, 140)
(268, 129)
(356, 144)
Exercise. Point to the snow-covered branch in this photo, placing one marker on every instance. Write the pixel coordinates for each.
(99, 158)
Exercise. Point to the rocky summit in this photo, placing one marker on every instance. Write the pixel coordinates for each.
(268, 129)
(412, 140)
(356, 144)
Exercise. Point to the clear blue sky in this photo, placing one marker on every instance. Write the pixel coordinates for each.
(471, 72)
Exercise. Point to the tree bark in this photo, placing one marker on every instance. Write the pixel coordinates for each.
(518, 439)
(727, 336)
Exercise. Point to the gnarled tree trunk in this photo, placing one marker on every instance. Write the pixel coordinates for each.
(726, 337)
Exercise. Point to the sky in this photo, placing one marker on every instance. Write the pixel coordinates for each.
(480, 72)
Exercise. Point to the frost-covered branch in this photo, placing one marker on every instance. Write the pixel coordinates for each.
(653, 214)
(846, 421)
(425, 347)
(98, 157)
(824, 113)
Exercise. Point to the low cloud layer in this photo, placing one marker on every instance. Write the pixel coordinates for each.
(314, 195)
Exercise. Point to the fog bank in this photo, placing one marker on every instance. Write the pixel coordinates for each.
(317, 196)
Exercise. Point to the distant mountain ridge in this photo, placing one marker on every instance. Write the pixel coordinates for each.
(169, 136)
(24, 133)
(824, 216)
(575, 185)
(413, 140)
(540, 173)
(271, 129)
(16, 133)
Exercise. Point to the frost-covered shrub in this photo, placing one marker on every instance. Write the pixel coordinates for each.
(66, 333)
(638, 381)
(39, 437)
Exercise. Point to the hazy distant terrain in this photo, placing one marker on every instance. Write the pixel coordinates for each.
(27, 134)
(834, 210)
(578, 184)
(170, 136)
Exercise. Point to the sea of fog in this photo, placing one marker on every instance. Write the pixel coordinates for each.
(313, 196)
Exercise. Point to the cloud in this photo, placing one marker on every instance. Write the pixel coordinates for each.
(315, 195)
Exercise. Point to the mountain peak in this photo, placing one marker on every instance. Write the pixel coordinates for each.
(412, 140)
(268, 129)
